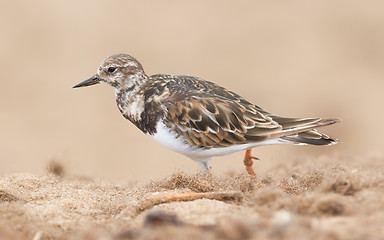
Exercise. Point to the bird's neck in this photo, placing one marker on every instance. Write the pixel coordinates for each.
(130, 96)
(131, 101)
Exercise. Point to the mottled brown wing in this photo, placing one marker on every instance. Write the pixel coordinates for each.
(210, 116)
(217, 122)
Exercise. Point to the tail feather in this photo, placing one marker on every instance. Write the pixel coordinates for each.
(304, 132)
(311, 137)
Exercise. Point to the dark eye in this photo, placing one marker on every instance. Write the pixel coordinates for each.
(112, 69)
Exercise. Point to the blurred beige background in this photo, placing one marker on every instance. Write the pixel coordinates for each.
(293, 58)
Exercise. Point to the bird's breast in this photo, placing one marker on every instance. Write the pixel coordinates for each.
(140, 111)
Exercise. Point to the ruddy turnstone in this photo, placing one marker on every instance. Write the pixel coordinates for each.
(198, 118)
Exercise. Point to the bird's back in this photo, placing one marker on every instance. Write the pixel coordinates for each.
(210, 116)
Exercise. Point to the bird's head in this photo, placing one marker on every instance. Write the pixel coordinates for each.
(121, 71)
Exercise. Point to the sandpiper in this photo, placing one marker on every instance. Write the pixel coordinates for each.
(198, 118)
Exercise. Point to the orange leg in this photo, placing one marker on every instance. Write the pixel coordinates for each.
(248, 163)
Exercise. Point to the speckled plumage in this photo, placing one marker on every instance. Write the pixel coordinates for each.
(199, 117)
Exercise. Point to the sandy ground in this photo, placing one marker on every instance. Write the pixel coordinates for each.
(320, 58)
(296, 59)
(327, 199)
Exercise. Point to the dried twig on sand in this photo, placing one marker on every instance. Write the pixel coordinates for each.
(149, 202)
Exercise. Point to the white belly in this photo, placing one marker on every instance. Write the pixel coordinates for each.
(171, 141)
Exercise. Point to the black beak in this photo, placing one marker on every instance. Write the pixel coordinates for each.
(91, 81)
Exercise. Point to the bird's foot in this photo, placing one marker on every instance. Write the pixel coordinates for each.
(248, 163)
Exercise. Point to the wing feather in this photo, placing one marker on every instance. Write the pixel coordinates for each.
(210, 116)
(211, 122)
